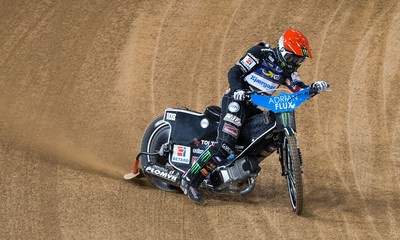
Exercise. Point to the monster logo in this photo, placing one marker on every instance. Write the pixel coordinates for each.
(305, 52)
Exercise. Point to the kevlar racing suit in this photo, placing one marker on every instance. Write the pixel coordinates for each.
(257, 70)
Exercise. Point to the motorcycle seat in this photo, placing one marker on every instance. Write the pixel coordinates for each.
(213, 113)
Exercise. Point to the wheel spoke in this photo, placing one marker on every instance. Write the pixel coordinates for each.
(293, 174)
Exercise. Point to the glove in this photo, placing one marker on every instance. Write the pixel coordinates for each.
(319, 86)
(239, 95)
(295, 77)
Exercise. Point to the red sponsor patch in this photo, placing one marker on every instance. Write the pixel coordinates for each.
(231, 130)
(249, 61)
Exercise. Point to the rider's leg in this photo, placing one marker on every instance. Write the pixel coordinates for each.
(205, 164)
(232, 118)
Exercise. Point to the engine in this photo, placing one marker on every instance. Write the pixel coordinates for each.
(231, 178)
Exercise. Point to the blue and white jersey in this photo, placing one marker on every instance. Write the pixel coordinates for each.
(266, 77)
(259, 70)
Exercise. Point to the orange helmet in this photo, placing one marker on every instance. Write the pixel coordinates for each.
(293, 48)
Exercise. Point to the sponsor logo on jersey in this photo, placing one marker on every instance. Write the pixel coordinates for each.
(197, 150)
(195, 168)
(231, 156)
(248, 62)
(270, 74)
(231, 130)
(204, 172)
(233, 119)
(227, 149)
(203, 158)
(181, 154)
(261, 83)
(210, 166)
(207, 142)
(216, 159)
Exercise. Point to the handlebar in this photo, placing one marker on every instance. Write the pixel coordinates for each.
(282, 102)
(312, 91)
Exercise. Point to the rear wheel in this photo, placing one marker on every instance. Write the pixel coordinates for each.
(293, 174)
(155, 136)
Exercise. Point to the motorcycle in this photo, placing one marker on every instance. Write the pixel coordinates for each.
(174, 140)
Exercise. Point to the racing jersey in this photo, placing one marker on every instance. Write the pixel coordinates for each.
(259, 70)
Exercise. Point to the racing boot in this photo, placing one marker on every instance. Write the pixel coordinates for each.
(192, 179)
(191, 191)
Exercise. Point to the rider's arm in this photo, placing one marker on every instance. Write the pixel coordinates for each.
(245, 65)
(294, 83)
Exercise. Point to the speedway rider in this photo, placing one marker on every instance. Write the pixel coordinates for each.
(263, 69)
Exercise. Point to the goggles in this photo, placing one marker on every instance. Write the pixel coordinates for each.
(293, 59)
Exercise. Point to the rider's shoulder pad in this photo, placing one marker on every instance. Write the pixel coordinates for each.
(264, 44)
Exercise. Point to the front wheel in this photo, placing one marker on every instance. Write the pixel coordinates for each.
(293, 171)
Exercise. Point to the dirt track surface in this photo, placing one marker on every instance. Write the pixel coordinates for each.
(80, 80)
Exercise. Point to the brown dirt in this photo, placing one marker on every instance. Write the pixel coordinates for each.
(80, 80)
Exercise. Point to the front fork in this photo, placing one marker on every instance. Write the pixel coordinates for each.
(286, 131)
(282, 152)
(286, 125)
(281, 157)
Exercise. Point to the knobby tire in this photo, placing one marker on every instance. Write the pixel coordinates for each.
(293, 175)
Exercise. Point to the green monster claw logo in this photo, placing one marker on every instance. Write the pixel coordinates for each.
(305, 52)
(204, 157)
(285, 118)
(195, 169)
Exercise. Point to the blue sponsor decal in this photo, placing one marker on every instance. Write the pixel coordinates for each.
(261, 82)
(283, 102)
